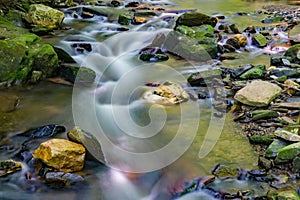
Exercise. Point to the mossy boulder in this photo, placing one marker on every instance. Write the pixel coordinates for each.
(22, 52)
(44, 16)
(254, 73)
(196, 43)
(195, 19)
(56, 3)
(286, 193)
(288, 153)
(294, 53)
(259, 40)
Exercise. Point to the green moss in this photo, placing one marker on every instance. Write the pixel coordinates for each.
(288, 153)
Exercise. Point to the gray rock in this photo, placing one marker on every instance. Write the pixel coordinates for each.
(274, 147)
(167, 93)
(286, 135)
(195, 19)
(288, 153)
(258, 93)
(61, 179)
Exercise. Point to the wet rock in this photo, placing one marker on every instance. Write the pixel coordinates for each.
(222, 171)
(233, 42)
(294, 35)
(280, 61)
(242, 39)
(287, 193)
(204, 78)
(190, 48)
(78, 74)
(275, 146)
(151, 57)
(89, 141)
(289, 73)
(23, 52)
(294, 53)
(241, 70)
(258, 93)
(8, 102)
(259, 40)
(230, 56)
(44, 131)
(44, 16)
(288, 153)
(87, 15)
(265, 163)
(272, 19)
(286, 135)
(167, 93)
(195, 19)
(139, 20)
(9, 166)
(125, 19)
(296, 164)
(63, 56)
(261, 140)
(254, 73)
(257, 173)
(61, 154)
(61, 179)
(36, 76)
(263, 114)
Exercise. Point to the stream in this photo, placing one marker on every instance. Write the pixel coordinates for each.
(112, 109)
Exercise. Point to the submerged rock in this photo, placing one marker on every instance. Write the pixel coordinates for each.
(153, 57)
(223, 171)
(258, 93)
(8, 102)
(9, 166)
(167, 93)
(288, 153)
(61, 154)
(61, 179)
(44, 16)
(44, 131)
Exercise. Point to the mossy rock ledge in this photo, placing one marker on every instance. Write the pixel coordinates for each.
(21, 53)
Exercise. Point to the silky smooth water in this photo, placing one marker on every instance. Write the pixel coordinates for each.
(114, 101)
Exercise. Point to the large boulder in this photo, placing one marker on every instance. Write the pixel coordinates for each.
(22, 52)
(61, 154)
(167, 93)
(258, 93)
(197, 43)
(44, 16)
(294, 53)
(195, 19)
(294, 34)
(288, 153)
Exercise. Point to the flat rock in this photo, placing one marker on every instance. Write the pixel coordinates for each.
(61, 154)
(286, 135)
(290, 105)
(258, 93)
(9, 166)
(167, 93)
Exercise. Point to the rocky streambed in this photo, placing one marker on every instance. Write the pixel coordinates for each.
(262, 97)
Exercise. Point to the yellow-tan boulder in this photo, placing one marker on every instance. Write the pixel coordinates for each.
(61, 154)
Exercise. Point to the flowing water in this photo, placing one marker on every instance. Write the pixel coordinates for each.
(114, 103)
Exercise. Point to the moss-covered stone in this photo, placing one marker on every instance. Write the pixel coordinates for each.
(294, 53)
(195, 19)
(204, 78)
(286, 193)
(259, 40)
(44, 16)
(22, 52)
(125, 19)
(288, 153)
(263, 114)
(261, 140)
(254, 73)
